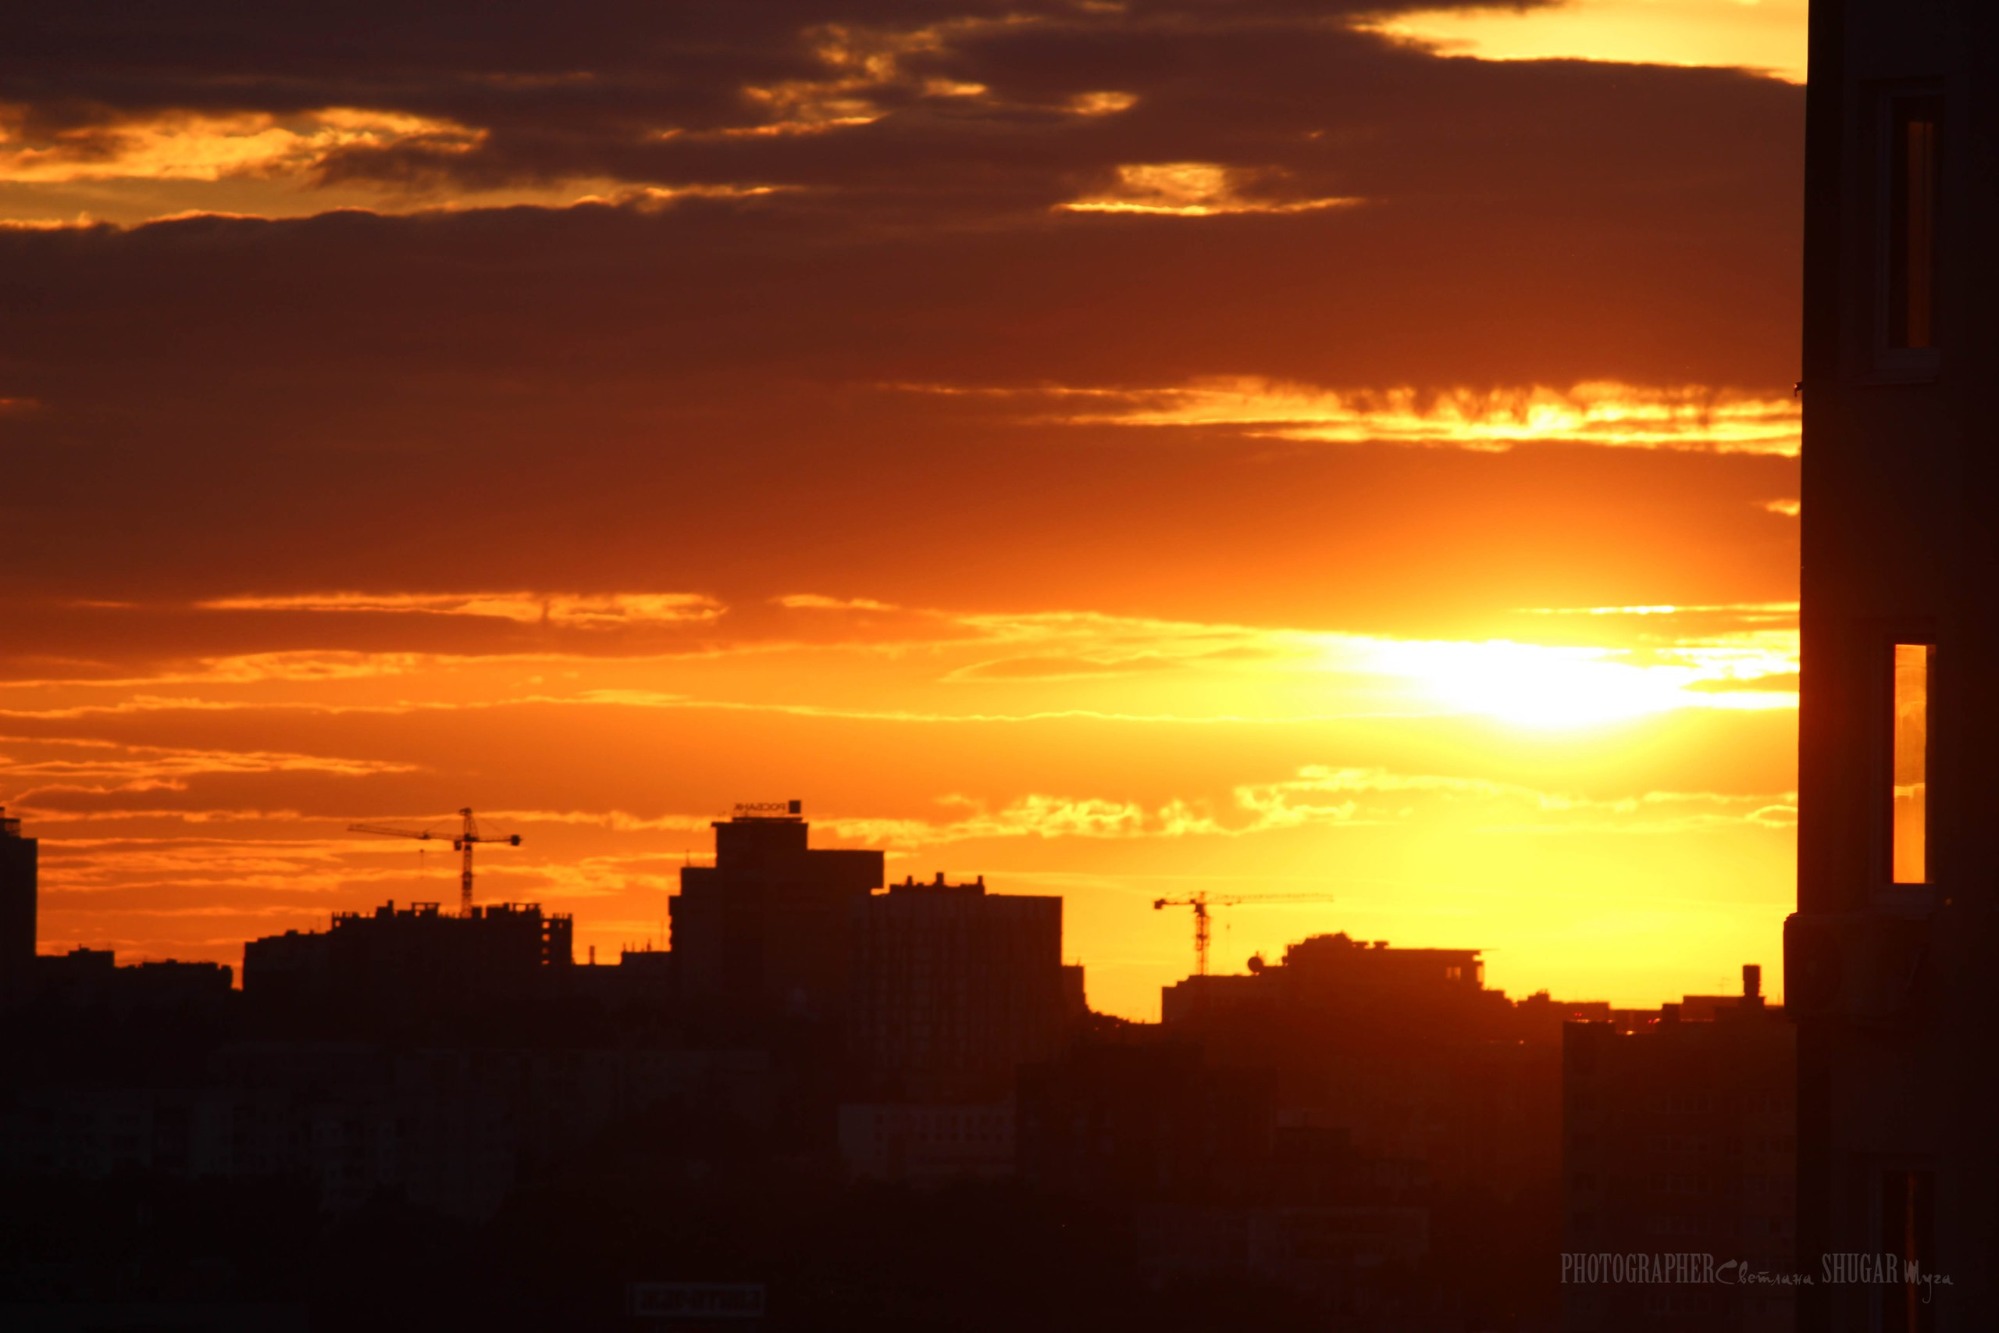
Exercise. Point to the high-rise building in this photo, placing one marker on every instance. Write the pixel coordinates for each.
(1888, 958)
(765, 932)
(954, 989)
(18, 889)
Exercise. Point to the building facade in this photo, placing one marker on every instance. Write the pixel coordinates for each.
(18, 890)
(1887, 956)
(763, 933)
(953, 990)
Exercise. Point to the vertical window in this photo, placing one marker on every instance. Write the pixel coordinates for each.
(1907, 1210)
(1909, 854)
(1913, 124)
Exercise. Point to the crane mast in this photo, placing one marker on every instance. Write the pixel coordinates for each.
(463, 841)
(1202, 901)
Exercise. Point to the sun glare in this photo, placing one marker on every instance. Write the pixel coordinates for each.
(1561, 687)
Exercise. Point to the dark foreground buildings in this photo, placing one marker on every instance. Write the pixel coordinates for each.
(953, 990)
(1678, 1137)
(1411, 1141)
(882, 1108)
(1889, 956)
(390, 963)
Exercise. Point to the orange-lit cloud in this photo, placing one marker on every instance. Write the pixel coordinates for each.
(1101, 103)
(808, 601)
(1318, 794)
(571, 609)
(1193, 190)
(1763, 35)
(860, 64)
(189, 146)
(1609, 415)
(45, 772)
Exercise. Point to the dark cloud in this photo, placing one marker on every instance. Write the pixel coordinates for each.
(698, 394)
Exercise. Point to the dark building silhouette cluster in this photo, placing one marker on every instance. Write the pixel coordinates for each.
(409, 961)
(1679, 1136)
(1353, 1134)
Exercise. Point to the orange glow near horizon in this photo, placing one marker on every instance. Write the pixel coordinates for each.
(1099, 757)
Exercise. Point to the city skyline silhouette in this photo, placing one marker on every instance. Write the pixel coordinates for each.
(1310, 664)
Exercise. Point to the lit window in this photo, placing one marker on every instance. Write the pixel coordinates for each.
(1913, 124)
(1910, 854)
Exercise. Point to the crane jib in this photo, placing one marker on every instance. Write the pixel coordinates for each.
(462, 842)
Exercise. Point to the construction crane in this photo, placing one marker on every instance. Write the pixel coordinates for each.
(462, 842)
(1202, 901)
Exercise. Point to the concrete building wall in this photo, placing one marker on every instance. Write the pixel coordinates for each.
(1887, 956)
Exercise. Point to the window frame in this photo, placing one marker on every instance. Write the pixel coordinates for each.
(1911, 893)
(1890, 363)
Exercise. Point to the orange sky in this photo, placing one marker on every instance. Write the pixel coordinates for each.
(1116, 450)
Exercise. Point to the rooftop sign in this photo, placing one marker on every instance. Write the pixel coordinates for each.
(768, 809)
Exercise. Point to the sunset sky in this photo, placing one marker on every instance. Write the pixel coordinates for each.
(1119, 449)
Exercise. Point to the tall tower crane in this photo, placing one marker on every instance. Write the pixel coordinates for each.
(1202, 901)
(462, 842)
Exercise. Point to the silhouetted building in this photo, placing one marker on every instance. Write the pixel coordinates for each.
(1145, 1121)
(1075, 1000)
(1214, 1185)
(1889, 957)
(1407, 1057)
(927, 1143)
(1386, 1044)
(450, 1129)
(765, 932)
(18, 890)
(85, 978)
(408, 963)
(90, 978)
(1334, 972)
(954, 989)
(1678, 1138)
(641, 979)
